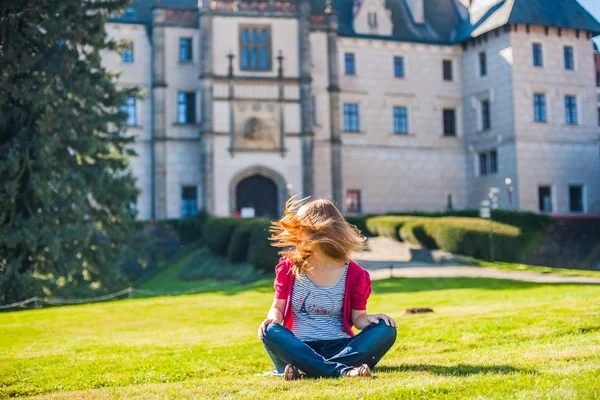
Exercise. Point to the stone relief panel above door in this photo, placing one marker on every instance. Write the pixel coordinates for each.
(257, 125)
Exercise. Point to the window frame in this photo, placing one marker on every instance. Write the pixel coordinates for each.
(190, 49)
(569, 63)
(349, 60)
(543, 111)
(540, 202)
(255, 45)
(189, 110)
(447, 66)
(483, 163)
(486, 115)
(127, 107)
(571, 117)
(128, 55)
(402, 68)
(351, 118)
(581, 198)
(399, 115)
(186, 210)
(453, 131)
(358, 208)
(541, 54)
(483, 64)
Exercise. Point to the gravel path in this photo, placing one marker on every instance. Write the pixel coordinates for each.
(389, 258)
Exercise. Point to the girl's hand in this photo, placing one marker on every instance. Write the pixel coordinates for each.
(375, 318)
(263, 326)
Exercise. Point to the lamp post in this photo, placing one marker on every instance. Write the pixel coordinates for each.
(509, 191)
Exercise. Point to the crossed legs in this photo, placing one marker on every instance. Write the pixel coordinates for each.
(328, 358)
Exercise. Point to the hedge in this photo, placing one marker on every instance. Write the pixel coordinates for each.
(468, 236)
(217, 233)
(261, 254)
(387, 226)
(190, 229)
(237, 250)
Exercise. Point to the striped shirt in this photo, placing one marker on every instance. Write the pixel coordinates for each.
(318, 311)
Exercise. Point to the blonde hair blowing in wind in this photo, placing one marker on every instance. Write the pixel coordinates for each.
(307, 225)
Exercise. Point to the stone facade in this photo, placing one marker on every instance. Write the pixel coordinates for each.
(286, 122)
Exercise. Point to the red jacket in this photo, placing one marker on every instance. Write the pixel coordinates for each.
(358, 290)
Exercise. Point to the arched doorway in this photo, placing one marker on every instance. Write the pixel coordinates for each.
(260, 193)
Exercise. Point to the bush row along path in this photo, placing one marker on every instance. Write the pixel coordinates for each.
(388, 258)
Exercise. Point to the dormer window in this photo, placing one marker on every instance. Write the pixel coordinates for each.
(372, 16)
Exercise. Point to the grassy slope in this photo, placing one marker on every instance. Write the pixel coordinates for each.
(487, 338)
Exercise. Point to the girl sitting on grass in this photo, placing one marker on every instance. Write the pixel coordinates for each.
(320, 294)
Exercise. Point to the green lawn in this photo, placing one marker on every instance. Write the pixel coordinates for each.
(505, 266)
(487, 339)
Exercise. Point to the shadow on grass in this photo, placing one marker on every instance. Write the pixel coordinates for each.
(387, 286)
(456, 370)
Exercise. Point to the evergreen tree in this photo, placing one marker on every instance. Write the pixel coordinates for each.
(67, 197)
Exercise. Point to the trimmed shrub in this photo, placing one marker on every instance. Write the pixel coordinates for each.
(414, 232)
(239, 244)
(189, 228)
(261, 254)
(217, 233)
(468, 236)
(388, 226)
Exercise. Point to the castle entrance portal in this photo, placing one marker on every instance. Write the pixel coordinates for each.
(260, 193)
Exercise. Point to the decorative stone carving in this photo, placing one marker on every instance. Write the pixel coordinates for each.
(256, 127)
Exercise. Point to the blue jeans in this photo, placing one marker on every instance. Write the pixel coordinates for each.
(328, 358)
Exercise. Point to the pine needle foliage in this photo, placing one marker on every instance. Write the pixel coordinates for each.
(67, 196)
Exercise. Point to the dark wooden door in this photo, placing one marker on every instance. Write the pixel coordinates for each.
(259, 193)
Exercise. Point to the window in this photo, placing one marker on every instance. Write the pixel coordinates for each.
(488, 163)
(483, 164)
(186, 108)
(449, 122)
(575, 198)
(185, 49)
(129, 108)
(400, 120)
(538, 60)
(493, 162)
(569, 58)
(353, 201)
(351, 118)
(539, 107)
(372, 19)
(255, 43)
(447, 69)
(545, 198)
(571, 110)
(399, 67)
(597, 79)
(349, 65)
(598, 116)
(127, 54)
(485, 115)
(189, 201)
(314, 110)
(482, 64)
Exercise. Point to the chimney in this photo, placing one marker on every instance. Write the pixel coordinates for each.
(417, 9)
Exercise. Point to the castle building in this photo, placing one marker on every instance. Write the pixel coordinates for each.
(381, 105)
